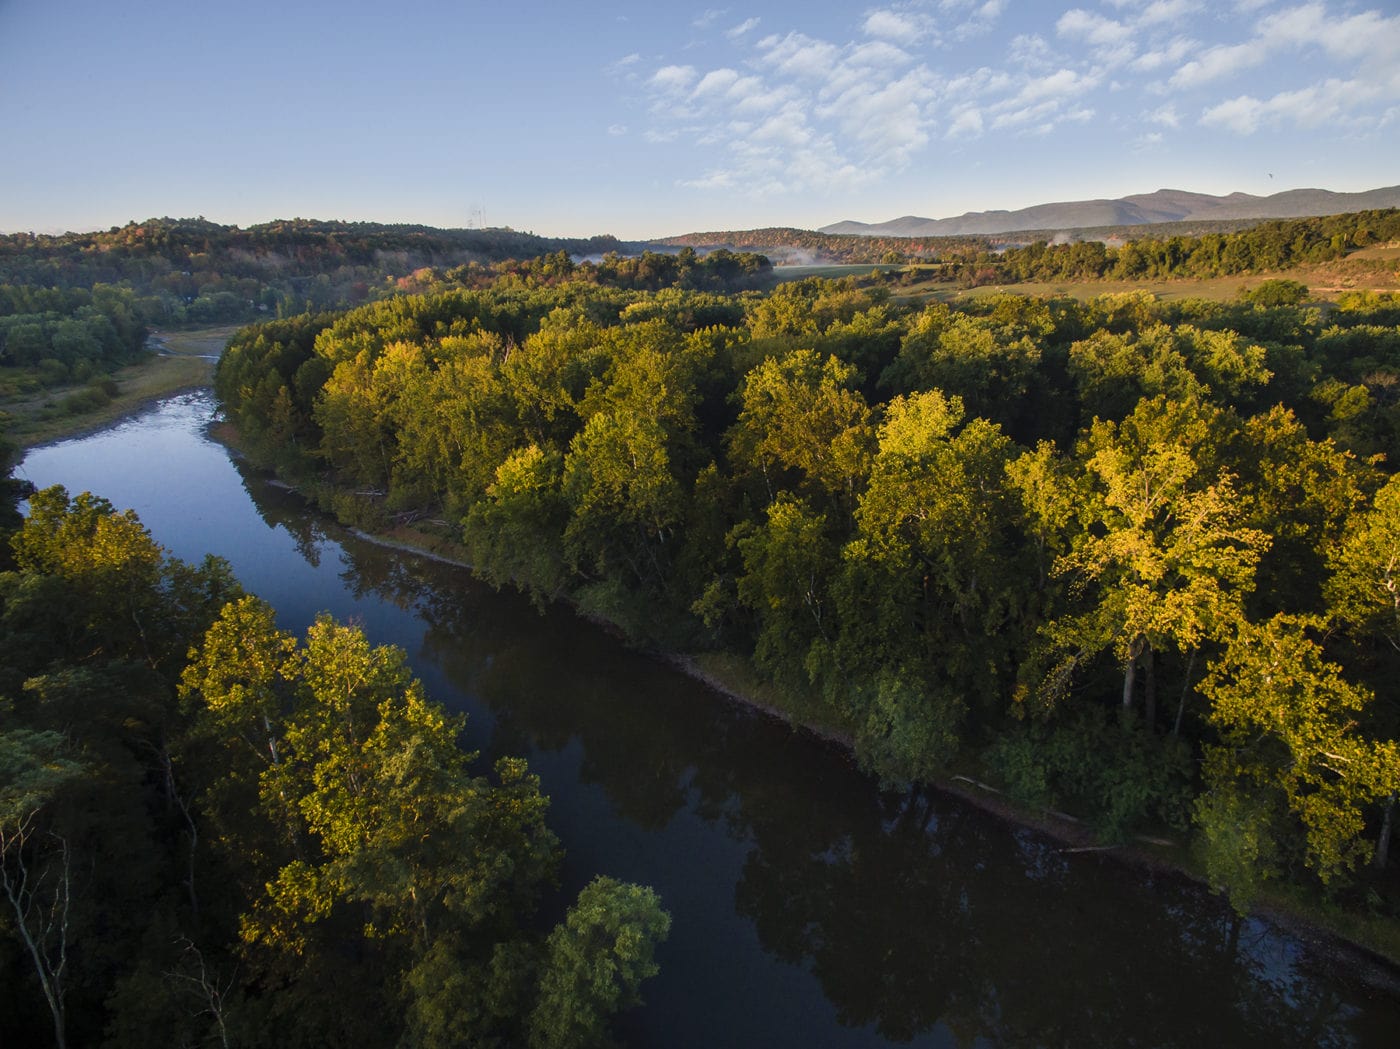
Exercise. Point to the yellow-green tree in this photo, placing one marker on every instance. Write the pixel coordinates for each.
(1289, 753)
(1165, 559)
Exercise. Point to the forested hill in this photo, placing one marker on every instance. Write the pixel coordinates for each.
(1255, 245)
(1165, 205)
(74, 307)
(275, 264)
(787, 245)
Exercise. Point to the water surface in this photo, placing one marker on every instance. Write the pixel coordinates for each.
(809, 908)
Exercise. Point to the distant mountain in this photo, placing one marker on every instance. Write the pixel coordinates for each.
(1166, 205)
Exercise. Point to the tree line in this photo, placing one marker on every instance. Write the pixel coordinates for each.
(179, 272)
(227, 834)
(1129, 557)
(1265, 248)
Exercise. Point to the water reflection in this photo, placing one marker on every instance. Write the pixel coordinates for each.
(810, 908)
(920, 917)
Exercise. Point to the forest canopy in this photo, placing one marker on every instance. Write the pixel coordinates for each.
(1066, 541)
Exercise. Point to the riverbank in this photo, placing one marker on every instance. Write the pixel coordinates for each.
(1368, 948)
(1355, 942)
(176, 362)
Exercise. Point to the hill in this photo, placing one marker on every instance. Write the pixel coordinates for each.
(1165, 205)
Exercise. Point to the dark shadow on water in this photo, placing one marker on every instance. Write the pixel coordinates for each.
(810, 908)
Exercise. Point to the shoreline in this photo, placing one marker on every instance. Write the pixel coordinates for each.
(1373, 967)
(166, 371)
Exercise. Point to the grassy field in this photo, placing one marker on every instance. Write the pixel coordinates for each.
(1375, 269)
(178, 361)
(832, 271)
(1376, 272)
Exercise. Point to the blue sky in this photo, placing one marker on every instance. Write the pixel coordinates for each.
(643, 120)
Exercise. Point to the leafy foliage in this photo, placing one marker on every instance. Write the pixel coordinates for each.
(210, 828)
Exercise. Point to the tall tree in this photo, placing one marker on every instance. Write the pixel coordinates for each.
(1289, 745)
(1166, 559)
(36, 866)
(803, 429)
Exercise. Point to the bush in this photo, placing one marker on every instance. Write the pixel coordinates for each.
(52, 372)
(1115, 772)
(88, 399)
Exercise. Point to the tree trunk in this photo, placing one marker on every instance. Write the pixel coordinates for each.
(1185, 688)
(1232, 942)
(173, 794)
(23, 899)
(1149, 687)
(1383, 842)
(1130, 670)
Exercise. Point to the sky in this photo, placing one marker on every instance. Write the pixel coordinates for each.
(644, 120)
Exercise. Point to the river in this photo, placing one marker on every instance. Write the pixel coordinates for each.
(809, 908)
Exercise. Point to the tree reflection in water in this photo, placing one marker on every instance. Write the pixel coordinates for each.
(921, 918)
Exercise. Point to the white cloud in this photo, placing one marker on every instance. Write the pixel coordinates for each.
(750, 96)
(1030, 51)
(1363, 51)
(1166, 55)
(1112, 41)
(904, 27)
(980, 21)
(799, 55)
(1166, 115)
(967, 123)
(1240, 115)
(1015, 118)
(1167, 12)
(1216, 62)
(1312, 106)
(890, 122)
(1369, 36)
(1060, 84)
(623, 66)
(709, 18)
(794, 109)
(1085, 25)
(713, 180)
(673, 78)
(877, 54)
(980, 83)
(786, 128)
(617, 129)
(715, 82)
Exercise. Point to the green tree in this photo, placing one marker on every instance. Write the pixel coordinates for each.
(595, 963)
(928, 594)
(1166, 558)
(36, 869)
(802, 428)
(1364, 588)
(515, 532)
(789, 563)
(1288, 745)
(391, 844)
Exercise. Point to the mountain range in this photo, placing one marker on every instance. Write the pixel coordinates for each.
(1165, 205)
